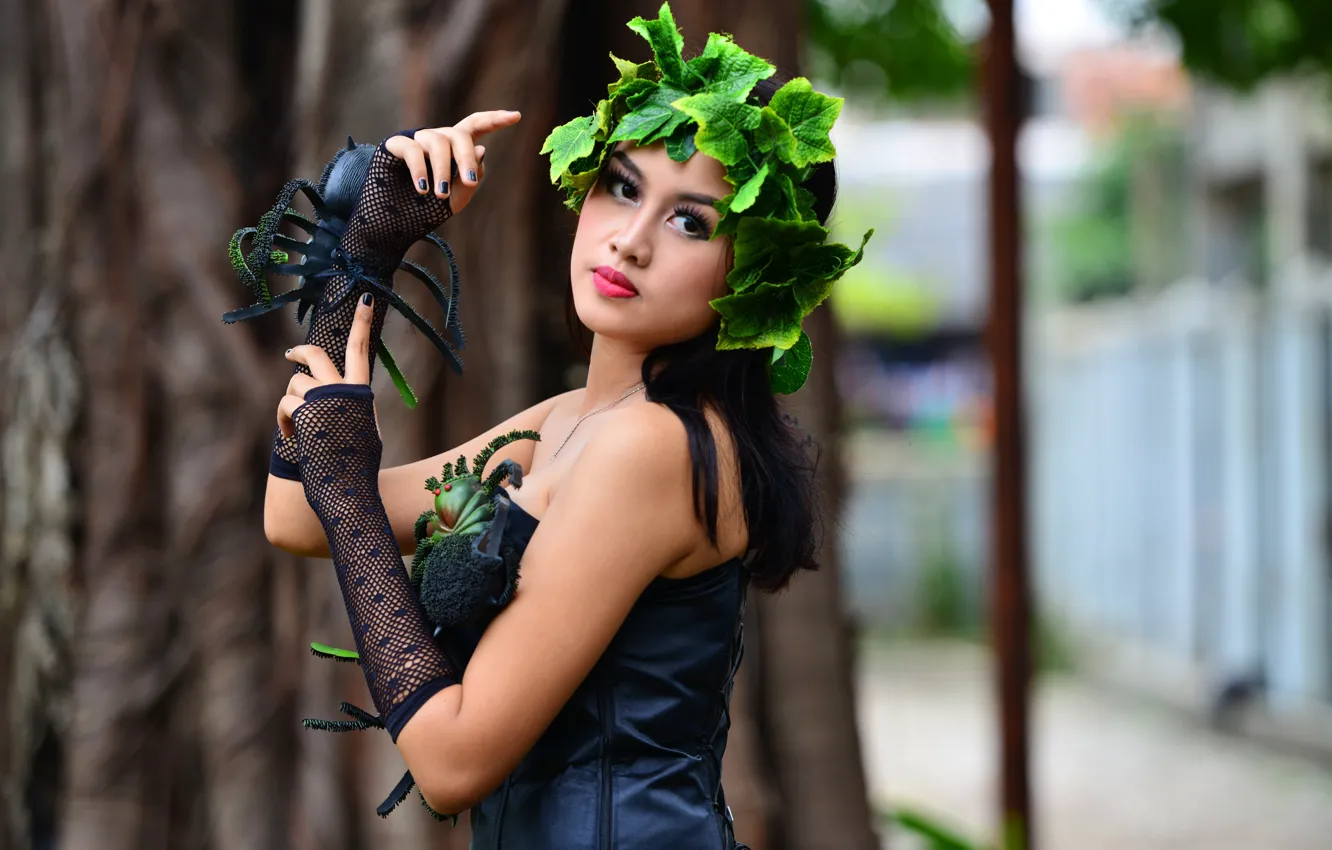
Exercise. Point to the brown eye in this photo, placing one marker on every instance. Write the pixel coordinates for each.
(691, 223)
(627, 188)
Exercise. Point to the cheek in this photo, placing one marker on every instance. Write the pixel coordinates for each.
(706, 276)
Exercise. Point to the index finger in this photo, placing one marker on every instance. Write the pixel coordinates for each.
(358, 342)
(479, 123)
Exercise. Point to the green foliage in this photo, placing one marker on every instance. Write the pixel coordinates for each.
(1240, 43)
(722, 125)
(936, 834)
(941, 595)
(873, 298)
(888, 49)
(1096, 253)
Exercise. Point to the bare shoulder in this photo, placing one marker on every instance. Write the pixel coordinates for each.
(641, 460)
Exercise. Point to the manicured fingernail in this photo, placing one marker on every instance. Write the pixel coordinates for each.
(471, 175)
(443, 187)
(288, 351)
(366, 299)
(421, 184)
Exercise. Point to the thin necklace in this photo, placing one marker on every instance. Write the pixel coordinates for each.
(631, 391)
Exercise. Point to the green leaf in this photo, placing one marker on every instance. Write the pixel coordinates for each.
(774, 135)
(569, 142)
(727, 69)
(760, 242)
(581, 181)
(818, 267)
(722, 124)
(811, 292)
(627, 93)
(810, 115)
(666, 43)
(804, 201)
(391, 366)
(748, 193)
(790, 371)
(681, 146)
(650, 112)
(767, 316)
(629, 71)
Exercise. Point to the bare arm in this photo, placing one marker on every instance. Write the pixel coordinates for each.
(290, 524)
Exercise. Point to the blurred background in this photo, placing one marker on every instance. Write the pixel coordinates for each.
(1175, 164)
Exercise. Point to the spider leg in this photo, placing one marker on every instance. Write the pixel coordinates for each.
(434, 814)
(418, 560)
(420, 528)
(265, 307)
(455, 289)
(285, 241)
(360, 720)
(397, 795)
(432, 283)
(504, 469)
(455, 362)
(256, 281)
(271, 220)
(483, 457)
(323, 650)
(300, 221)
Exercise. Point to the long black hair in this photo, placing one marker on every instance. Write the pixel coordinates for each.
(782, 502)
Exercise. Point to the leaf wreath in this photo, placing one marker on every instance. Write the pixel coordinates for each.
(784, 264)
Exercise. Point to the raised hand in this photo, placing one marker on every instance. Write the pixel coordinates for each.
(434, 154)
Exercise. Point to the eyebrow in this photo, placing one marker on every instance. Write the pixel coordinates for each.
(628, 163)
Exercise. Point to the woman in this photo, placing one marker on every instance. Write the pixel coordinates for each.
(593, 710)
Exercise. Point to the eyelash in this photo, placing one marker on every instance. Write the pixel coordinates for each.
(614, 174)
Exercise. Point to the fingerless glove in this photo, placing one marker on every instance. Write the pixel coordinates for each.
(338, 453)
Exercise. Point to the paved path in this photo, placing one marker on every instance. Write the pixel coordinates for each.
(1111, 772)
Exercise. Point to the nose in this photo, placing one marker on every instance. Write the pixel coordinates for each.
(633, 241)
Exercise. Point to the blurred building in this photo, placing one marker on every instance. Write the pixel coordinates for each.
(1182, 435)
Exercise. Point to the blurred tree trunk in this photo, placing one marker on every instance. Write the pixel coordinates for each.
(145, 708)
(152, 644)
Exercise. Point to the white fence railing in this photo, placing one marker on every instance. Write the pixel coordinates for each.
(1181, 464)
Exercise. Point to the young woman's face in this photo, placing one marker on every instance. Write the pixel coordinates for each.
(643, 268)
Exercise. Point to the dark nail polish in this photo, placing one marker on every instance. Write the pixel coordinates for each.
(443, 187)
(471, 175)
(421, 184)
(366, 299)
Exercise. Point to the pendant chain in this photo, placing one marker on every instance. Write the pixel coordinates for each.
(631, 391)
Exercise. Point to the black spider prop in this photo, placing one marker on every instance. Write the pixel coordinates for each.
(326, 274)
(464, 570)
(362, 719)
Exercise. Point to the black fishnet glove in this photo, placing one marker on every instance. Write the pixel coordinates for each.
(339, 453)
(389, 216)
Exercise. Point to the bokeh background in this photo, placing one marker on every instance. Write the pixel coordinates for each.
(1175, 165)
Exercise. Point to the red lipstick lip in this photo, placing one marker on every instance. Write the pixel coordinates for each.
(615, 277)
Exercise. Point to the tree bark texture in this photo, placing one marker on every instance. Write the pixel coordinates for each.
(153, 646)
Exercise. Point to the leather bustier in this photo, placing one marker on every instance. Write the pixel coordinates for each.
(633, 760)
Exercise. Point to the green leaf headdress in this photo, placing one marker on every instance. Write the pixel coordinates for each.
(784, 264)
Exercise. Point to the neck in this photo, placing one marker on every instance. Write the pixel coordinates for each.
(615, 367)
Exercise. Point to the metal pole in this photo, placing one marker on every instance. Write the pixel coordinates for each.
(1010, 592)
